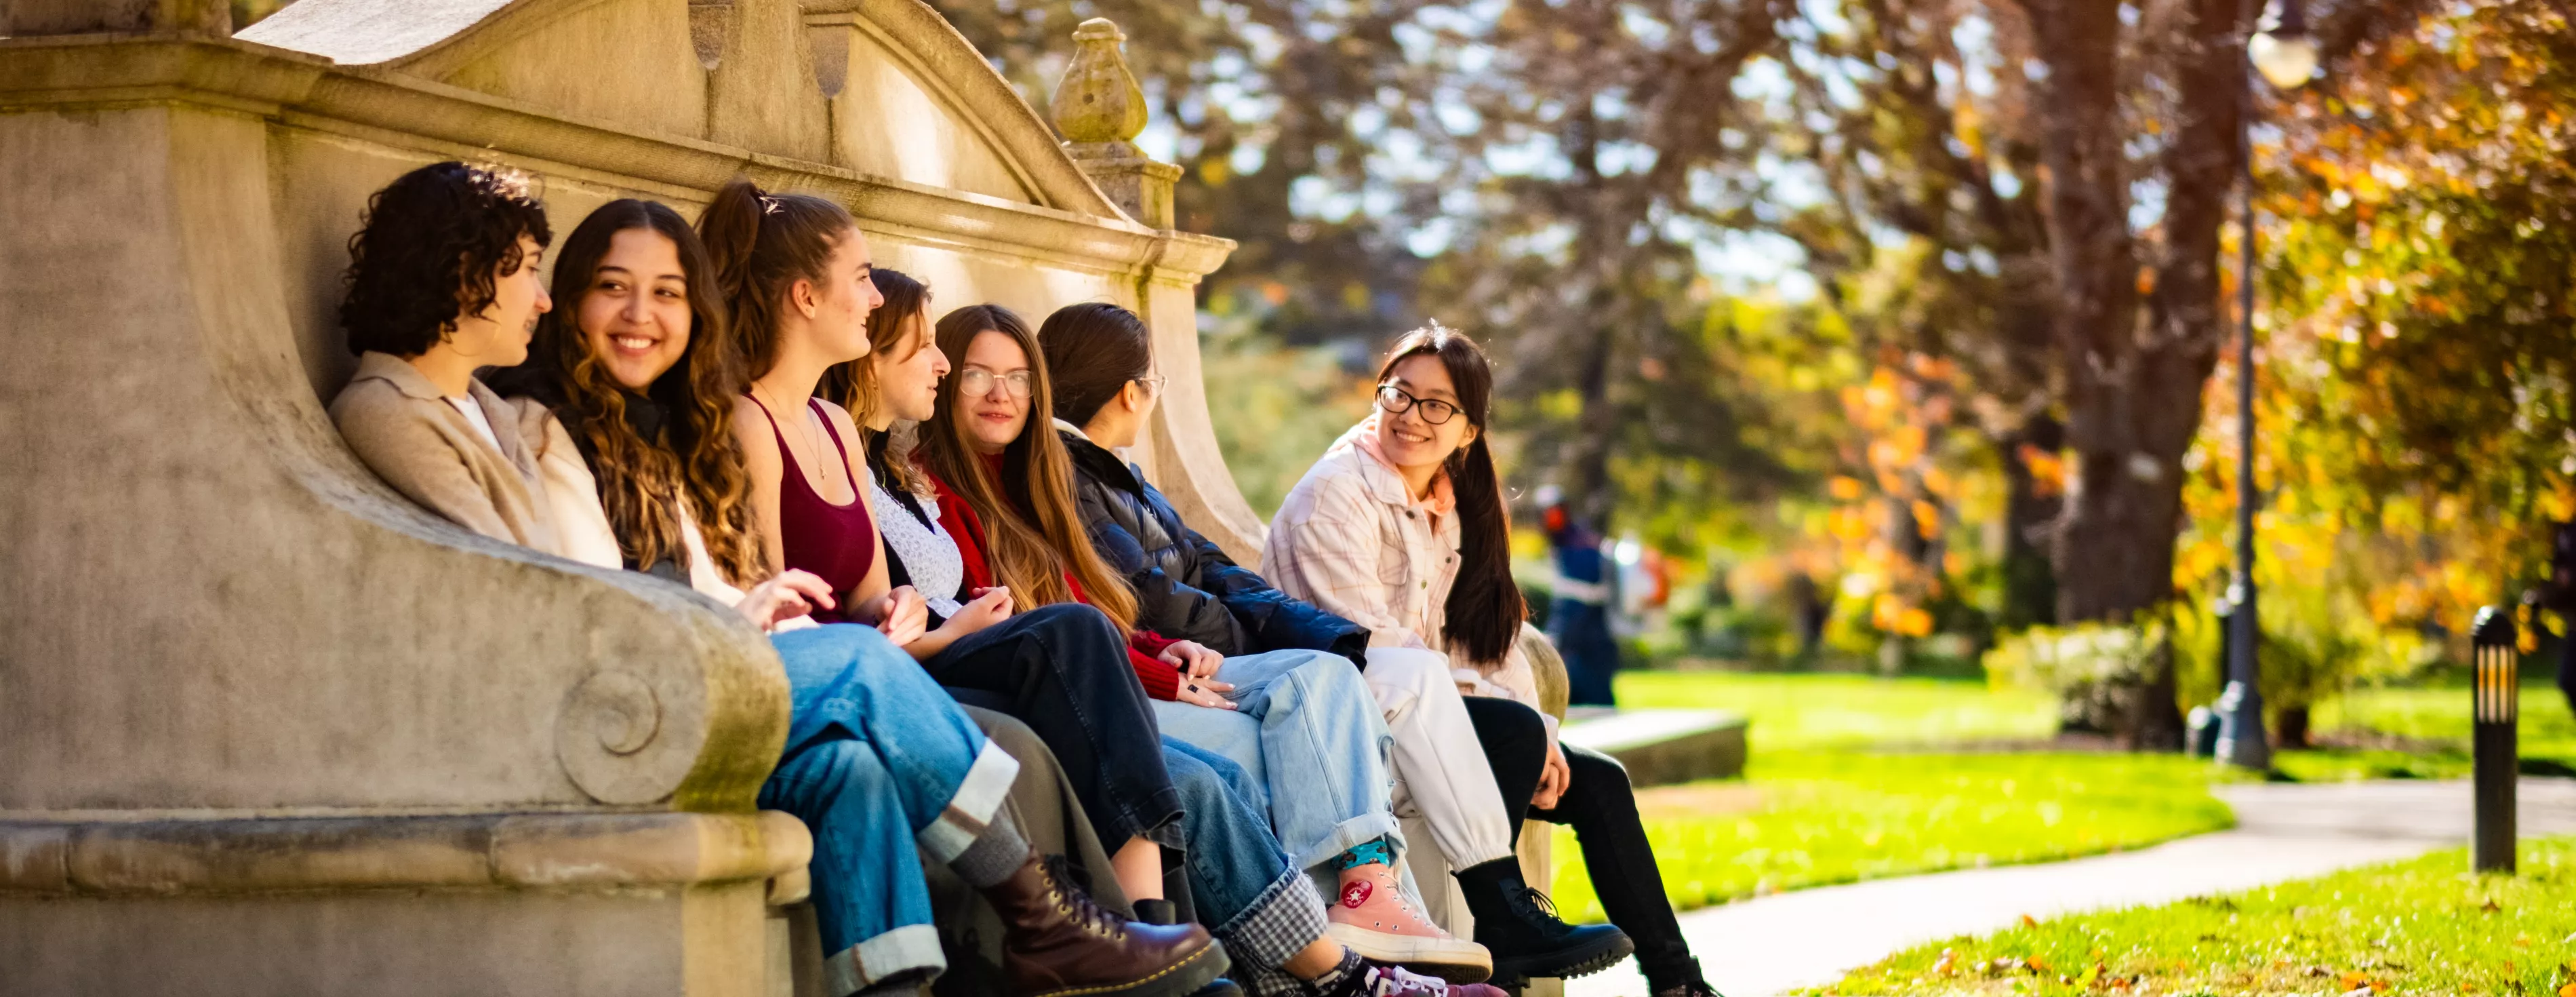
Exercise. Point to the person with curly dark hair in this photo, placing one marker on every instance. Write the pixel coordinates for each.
(442, 282)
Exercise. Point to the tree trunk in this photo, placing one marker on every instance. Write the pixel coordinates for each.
(2133, 381)
(2290, 728)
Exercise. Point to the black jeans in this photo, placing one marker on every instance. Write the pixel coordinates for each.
(1602, 809)
(1062, 670)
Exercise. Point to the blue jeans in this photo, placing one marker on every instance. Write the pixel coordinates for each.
(1313, 742)
(1247, 894)
(878, 760)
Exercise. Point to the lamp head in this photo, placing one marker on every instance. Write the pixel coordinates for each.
(2282, 49)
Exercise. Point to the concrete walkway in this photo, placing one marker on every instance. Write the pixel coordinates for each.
(1767, 945)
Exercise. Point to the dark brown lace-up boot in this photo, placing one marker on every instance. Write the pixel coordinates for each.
(1061, 944)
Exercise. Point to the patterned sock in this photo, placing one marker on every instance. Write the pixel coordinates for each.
(1347, 977)
(994, 856)
(1364, 853)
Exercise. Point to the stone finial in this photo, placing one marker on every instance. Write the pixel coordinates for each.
(1099, 102)
(1101, 109)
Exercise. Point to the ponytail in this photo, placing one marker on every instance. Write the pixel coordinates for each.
(1485, 609)
(761, 245)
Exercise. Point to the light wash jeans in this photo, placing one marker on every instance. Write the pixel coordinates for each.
(1311, 739)
(1247, 894)
(878, 759)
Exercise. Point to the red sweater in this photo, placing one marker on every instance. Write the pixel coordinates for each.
(1160, 679)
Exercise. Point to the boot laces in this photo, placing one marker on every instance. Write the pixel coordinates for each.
(1534, 902)
(1078, 906)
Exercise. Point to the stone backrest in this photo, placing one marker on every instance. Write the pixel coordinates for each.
(247, 692)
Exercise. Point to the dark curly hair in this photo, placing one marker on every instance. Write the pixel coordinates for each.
(427, 251)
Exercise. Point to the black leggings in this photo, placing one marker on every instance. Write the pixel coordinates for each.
(1602, 809)
(1062, 670)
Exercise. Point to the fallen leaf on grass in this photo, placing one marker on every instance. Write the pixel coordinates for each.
(2567, 991)
(2361, 981)
(2028, 921)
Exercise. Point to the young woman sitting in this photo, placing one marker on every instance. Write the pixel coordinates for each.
(1236, 867)
(1401, 527)
(1291, 666)
(796, 273)
(879, 763)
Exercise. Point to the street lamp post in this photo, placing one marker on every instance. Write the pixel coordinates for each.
(2284, 54)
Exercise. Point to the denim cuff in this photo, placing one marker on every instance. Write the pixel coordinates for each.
(911, 948)
(1286, 917)
(970, 809)
(1352, 833)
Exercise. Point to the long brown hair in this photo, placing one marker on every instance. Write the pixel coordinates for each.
(762, 244)
(852, 385)
(1484, 608)
(1032, 534)
(694, 457)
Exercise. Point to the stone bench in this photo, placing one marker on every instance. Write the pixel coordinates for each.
(1663, 747)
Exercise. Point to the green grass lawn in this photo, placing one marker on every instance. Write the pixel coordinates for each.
(2441, 713)
(1803, 819)
(2422, 926)
(1799, 712)
(1819, 806)
(2435, 719)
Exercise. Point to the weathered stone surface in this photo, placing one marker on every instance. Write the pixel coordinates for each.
(304, 736)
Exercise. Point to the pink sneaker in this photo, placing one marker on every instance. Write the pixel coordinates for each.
(1372, 917)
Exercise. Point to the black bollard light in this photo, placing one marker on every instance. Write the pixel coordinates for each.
(2497, 695)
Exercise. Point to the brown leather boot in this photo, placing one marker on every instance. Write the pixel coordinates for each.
(1061, 944)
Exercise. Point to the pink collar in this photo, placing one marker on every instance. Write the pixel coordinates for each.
(1444, 496)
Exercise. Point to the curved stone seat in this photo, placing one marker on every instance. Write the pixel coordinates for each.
(295, 735)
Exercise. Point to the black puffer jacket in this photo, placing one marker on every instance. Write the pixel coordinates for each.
(1187, 588)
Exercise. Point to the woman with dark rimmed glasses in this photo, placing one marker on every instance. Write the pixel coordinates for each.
(1402, 528)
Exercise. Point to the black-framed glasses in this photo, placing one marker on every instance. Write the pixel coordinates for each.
(1153, 382)
(977, 382)
(1396, 402)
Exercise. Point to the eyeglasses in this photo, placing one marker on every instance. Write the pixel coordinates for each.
(1396, 402)
(976, 382)
(1153, 384)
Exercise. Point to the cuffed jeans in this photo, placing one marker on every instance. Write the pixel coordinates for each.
(1248, 895)
(1441, 777)
(1062, 670)
(1308, 735)
(878, 760)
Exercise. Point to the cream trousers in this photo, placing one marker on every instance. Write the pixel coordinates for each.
(1443, 786)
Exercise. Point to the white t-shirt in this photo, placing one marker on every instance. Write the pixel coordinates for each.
(474, 414)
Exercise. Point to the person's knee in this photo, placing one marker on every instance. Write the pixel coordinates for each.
(1602, 781)
(831, 773)
(1071, 619)
(1407, 671)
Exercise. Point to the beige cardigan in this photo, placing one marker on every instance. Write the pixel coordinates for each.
(403, 428)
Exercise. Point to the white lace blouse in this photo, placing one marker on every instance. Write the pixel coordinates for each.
(927, 552)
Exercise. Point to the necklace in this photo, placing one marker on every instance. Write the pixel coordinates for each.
(805, 431)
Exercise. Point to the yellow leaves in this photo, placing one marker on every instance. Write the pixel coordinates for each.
(2356, 980)
(1927, 519)
(2028, 921)
(2567, 991)
(1844, 488)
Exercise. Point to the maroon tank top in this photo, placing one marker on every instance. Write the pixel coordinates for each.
(837, 543)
